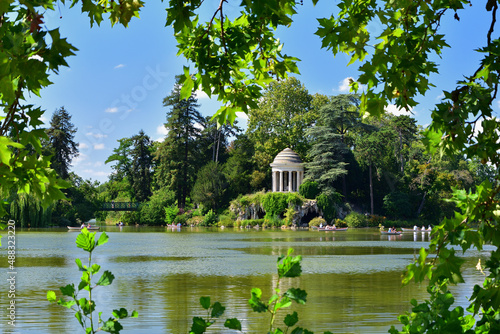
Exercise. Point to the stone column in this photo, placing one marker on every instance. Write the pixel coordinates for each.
(280, 186)
(289, 181)
(274, 181)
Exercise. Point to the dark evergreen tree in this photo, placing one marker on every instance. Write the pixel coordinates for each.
(176, 156)
(141, 167)
(210, 186)
(61, 140)
(330, 143)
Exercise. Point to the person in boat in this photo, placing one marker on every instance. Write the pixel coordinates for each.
(394, 230)
(320, 225)
(415, 228)
(83, 225)
(88, 225)
(334, 227)
(423, 228)
(429, 228)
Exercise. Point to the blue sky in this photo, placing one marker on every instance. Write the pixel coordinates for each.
(115, 84)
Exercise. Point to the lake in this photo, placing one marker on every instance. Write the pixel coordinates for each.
(352, 278)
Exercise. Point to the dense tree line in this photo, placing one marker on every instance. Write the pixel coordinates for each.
(371, 165)
(374, 165)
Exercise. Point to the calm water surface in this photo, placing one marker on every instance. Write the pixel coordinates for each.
(353, 278)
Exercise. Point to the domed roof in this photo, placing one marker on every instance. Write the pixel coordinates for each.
(287, 157)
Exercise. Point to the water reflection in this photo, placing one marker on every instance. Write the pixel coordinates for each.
(353, 278)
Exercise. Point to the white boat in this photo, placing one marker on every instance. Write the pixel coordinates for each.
(79, 228)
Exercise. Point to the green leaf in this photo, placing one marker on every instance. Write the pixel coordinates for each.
(79, 264)
(233, 323)
(205, 302)
(284, 302)
(296, 294)
(85, 240)
(255, 301)
(291, 319)
(106, 278)
(199, 326)
(51, 296)
(94, 269)
(121, 313)
(217, 310)
(103, 238)
(68, 290)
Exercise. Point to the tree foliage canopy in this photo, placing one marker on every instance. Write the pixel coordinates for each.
(236, 58)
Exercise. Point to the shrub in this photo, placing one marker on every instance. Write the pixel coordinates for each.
(153, 212)
(275, 204)
(309, 189)
(209, 219)
(272, 220)
(289, 213)
(182, 219)
(225, 220)
(355, 219)
(317, 222)
(327, 203)
(375, 220)
(252, 222)
(170, 213)
(195, 221)
(340, 223)
(198, 211)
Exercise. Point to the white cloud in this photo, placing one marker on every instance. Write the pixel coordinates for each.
(242, 115)
(79, 159)
(161, 130)
(112, 110)
(200, 95)
(199, 126)
(96, 135)
(393, 109)
(99, 146)
(344, 85)
(119, 66)
(83, 146)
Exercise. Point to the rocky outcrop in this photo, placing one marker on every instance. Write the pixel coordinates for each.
(303, 213)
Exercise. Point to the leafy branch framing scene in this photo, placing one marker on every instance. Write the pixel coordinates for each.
(237, 57)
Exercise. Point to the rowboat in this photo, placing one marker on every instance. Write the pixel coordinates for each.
(337, 229)
(390, 233)
(78, 228)
(415, 231)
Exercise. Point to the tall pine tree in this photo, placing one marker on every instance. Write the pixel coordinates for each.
(176, 156)
(61, 141)
(141, 169)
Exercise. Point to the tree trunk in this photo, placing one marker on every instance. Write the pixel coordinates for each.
(218, 144)
(421, 206)
(371, 187)
(401, 152)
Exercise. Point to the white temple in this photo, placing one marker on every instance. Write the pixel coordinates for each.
(288, 171)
